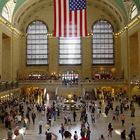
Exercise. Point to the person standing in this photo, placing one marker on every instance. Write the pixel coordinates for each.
(40, 126)
(133, 111)
(18, 135)
(62, 130)
(132, 132)
(75, 136)
(123, 119)
(83, 136)
(65, 119)
(88, 133)
(123, 135)
(49, 135)
(110, 129)
(67, 135)
(74, 116)
(33, 117)
(92, 118)
(28, 116)
(9, 133)
(85, 118)
(69, 118)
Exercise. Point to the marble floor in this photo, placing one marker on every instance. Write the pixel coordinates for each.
(100, 127)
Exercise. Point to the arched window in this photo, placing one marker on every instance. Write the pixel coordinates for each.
(8, 9)
(102, 43)
(5, 13)
(69, 50)
(37, 44)
(134, 11)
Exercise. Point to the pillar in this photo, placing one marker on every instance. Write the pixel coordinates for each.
(86, 57)
(53, 58)
(0, 55)
(139, 52)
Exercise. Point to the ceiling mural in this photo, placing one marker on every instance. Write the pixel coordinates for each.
(122, 5)
(18, 4)
(2, 4)
(137, 2)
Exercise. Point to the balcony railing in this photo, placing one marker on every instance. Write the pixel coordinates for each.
(8, 85)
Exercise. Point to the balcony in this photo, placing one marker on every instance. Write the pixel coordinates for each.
(8, 85)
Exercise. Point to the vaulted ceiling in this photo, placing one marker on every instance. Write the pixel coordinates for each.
(120, 8)
(118, 3)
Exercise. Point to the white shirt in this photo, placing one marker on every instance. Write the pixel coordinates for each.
(19, 137)
(41, 122)
(19, 118)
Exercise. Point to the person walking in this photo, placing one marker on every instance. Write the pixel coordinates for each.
(93, 118)
(123, 135)
(62, 130)
(83, 136)
(74, 116)
(110, 129)
(9, 134)
(122, 119)
(33, 117)
(75, 136)
(49, 135)
(88, 133)
(102, 137)
(69, 118)
(132, 132)
(133, 111)
(40, 126)
(66, 119)
(67, 135)
(18, 135)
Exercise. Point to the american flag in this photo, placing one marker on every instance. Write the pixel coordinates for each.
(70, 18)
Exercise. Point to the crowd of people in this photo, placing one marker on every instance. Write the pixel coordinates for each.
(21, 112)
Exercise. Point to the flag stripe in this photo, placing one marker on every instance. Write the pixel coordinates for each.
(60, 16)
(54, 17)
(68, 19)
(75, 24)
(73, 27)
(70, 24)
(81, 23)
(57, 19)
(85, 17)
(65, 17)
(78, 23)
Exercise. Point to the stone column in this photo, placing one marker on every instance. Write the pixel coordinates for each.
(86, 57)
(139, 52)
(118, 58)
(0, 55)
(53, 55)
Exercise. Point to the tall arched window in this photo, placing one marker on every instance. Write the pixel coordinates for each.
(37, 43)
(102, 43)
(134, 11)
(5, 13)
(8, 9)
(69, 50)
